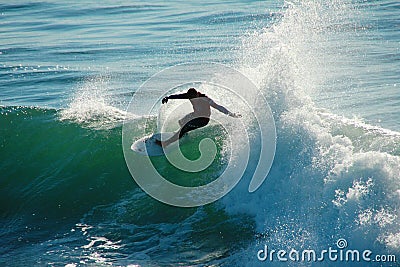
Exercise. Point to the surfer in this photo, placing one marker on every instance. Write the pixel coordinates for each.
(200, 116)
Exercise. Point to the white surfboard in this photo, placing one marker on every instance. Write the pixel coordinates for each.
(147, 145)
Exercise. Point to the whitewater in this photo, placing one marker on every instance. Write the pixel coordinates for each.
(328, 70)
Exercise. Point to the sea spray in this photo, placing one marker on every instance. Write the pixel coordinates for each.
(323, 185)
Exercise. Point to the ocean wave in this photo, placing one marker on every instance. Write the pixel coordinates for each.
(332, 177)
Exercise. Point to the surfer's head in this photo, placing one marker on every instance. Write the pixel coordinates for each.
(192, 93)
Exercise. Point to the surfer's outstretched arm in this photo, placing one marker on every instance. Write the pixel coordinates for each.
(177, 96)
(224, 110)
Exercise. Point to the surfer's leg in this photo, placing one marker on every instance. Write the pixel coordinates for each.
(169, 141)
(174, 138)
(190, 126)
(186, 128)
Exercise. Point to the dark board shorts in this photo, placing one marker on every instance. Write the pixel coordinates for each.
(193, 125)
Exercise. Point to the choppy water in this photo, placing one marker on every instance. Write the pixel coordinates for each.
(330, 73)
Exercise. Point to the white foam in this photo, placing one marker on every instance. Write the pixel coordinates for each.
(332, 177)
(92, 106)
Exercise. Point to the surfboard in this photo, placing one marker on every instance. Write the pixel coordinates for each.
(147, 145)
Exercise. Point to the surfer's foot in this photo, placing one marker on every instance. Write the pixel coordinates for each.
(162, 144)
(158, 142)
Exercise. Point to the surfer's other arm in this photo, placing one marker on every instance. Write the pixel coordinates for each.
(224, 110)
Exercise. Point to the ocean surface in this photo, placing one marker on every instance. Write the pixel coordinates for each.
(330, 71)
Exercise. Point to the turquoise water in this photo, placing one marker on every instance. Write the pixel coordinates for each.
(329, 71)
